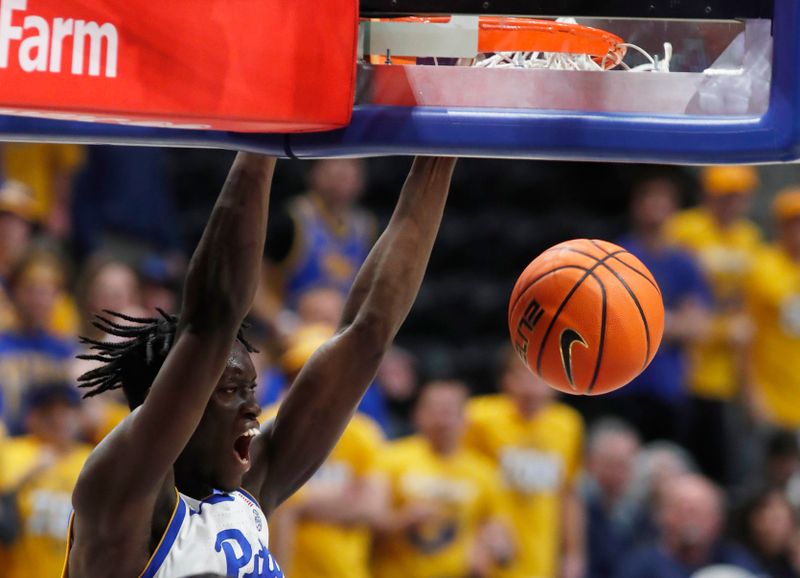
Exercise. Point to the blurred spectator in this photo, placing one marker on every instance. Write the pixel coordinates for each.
(773, 300)
(655, 403)
(611, 521)
(105, 284)
(122, 205)
(160, 285)
(656, 466)
(767, 526)
(306, 338)
(323, 531)
(690, 518)
(17, 209)
(322, 238)
(397, 378)
(48, 169)
(447, 512)
(779, 471)
(29, 352)
(536, 445)
(725, 243)
(43, 467)
(320, 305)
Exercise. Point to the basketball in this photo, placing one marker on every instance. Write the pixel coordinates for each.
(586, 316)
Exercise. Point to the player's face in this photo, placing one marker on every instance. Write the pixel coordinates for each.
(218, 454)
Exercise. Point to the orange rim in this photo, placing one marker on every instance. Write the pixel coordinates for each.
(513, 34)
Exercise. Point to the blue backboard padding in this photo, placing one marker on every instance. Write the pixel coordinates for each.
(381, 130)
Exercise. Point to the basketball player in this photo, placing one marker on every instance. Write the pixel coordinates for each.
(184, 484)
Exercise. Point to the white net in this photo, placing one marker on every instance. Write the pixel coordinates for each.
(568, 61)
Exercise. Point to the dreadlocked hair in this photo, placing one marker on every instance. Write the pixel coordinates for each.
(133, 363)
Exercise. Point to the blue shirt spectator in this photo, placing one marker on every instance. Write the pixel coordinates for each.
(680, 279)
(29, 354)
(655, 562)
(611, 519)
(323, 237)
(656, 402)
(690, 519)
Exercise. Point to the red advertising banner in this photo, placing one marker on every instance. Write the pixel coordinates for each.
(241, 65)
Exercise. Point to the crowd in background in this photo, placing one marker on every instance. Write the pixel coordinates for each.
(460, 462)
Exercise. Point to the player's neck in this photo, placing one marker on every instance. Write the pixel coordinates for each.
(189, 484)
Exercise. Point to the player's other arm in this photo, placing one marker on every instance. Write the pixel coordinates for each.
(131, 464)
(324, 396)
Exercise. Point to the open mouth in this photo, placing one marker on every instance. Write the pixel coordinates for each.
(241, 447)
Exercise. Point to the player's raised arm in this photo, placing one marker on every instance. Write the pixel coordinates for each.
(137, 458)
(328, 389)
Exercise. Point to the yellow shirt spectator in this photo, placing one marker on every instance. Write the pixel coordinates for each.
(773, 296)
(324, 550)
(44, 168)
(327, 550)
(44, 501)
(461, 489)
(538, 458)
(726, 256)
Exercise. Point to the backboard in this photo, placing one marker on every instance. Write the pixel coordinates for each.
(721, 87)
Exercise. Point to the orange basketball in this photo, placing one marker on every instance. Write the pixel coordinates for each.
(586, 316)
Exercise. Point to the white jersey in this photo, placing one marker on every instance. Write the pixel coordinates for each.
(224, 534)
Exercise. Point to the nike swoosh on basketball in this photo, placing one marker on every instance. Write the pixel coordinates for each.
(569, 337)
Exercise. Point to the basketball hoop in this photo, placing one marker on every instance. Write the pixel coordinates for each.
(513, 42)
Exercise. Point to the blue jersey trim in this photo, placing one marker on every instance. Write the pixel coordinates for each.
(250, 497)
(167, 541)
